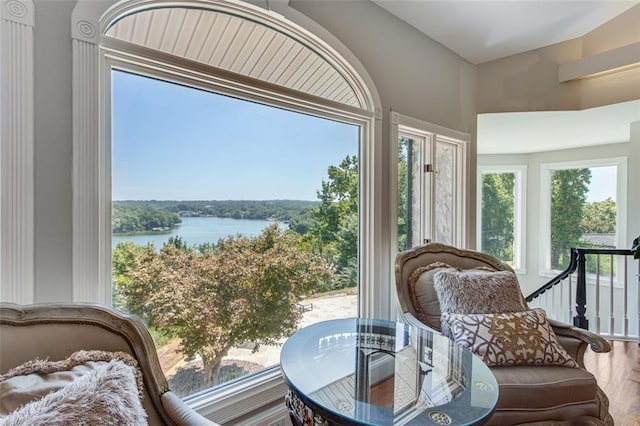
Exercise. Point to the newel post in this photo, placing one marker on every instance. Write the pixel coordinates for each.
(579, 320)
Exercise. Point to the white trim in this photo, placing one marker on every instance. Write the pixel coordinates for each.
(545, 203)
(431, 133)
(91, 179)
(604, 63)
(235, 399)
(17, 119)
(520, 207)
(421, 126)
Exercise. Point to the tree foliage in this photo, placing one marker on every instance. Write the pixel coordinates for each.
(140, 218)
(569, 190)
(335, 230)
(404, 147)
(498, 214)
(239, 290)
(599, 217)
(282, 210)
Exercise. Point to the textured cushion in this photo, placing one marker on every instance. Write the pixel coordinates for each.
(477, 291)
(89, 387)
(423, 294)
(511, 338)
(530, 387)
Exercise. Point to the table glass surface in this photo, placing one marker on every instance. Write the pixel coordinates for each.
(365, 371)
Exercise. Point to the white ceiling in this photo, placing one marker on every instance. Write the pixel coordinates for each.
(527, 132)
(482, 31)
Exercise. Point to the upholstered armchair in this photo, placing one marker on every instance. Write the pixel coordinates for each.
(55, 331)
(529, 394)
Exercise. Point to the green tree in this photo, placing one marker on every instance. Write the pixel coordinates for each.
(239, 290)
(569, 190)
(498, 214)
(335, 230)
(599, 217)
(130, 217)
(404, 145)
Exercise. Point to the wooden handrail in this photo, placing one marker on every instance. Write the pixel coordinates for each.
(578, 262)
(573, 264)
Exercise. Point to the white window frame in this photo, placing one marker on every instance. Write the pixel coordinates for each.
(520, 207)
(401, 124)
(545, 204)
(93, 59)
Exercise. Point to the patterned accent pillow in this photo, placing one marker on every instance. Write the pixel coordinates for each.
(512, 338)
(477, 291)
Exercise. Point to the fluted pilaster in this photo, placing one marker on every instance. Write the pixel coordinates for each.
(16, 151)
(90, 215)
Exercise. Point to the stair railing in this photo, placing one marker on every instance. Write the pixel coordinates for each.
(588, 288)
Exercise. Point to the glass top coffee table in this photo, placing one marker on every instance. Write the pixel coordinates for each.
(371, 372)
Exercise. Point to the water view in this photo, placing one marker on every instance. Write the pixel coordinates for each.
(198, 230)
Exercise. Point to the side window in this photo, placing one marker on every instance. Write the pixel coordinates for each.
(501, 214)
(583, 209)
(430, 189)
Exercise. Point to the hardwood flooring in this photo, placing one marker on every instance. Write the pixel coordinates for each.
(618, 374)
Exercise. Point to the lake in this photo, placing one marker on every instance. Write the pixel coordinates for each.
(199, 230)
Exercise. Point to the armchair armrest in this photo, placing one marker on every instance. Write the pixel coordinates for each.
(181, 413)
(575, 340)
(596, 342)
(410, 319)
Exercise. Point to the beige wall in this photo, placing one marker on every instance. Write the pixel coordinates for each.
(53, 160)
(529, 81)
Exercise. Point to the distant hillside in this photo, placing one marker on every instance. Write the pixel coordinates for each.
(132, 217)
(282, 210)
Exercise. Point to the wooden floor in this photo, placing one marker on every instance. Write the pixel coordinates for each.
(618, 374)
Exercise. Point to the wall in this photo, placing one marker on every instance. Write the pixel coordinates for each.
(53, 133)
(529, 81)
(534, 261)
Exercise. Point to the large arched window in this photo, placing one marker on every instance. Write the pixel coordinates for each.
(236, 53)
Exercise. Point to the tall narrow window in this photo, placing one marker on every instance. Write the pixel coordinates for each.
(501, 213)
(232, 223)
(430, 185)
(584, 209)
(411, 197)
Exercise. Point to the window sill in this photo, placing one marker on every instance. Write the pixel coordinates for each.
(239, 398)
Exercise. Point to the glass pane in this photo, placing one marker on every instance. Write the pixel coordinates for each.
(409, 193)
(583, 213)
(445, 208)
(234, 224)
(498, 215)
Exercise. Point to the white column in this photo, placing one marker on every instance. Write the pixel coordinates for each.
(90, 214)
(16, 151)
(633, 224)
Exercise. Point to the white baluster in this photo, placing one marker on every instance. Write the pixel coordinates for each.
(611, 307)
(597, 293)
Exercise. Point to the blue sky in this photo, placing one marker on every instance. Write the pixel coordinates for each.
(603, 184)
(175, 143)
